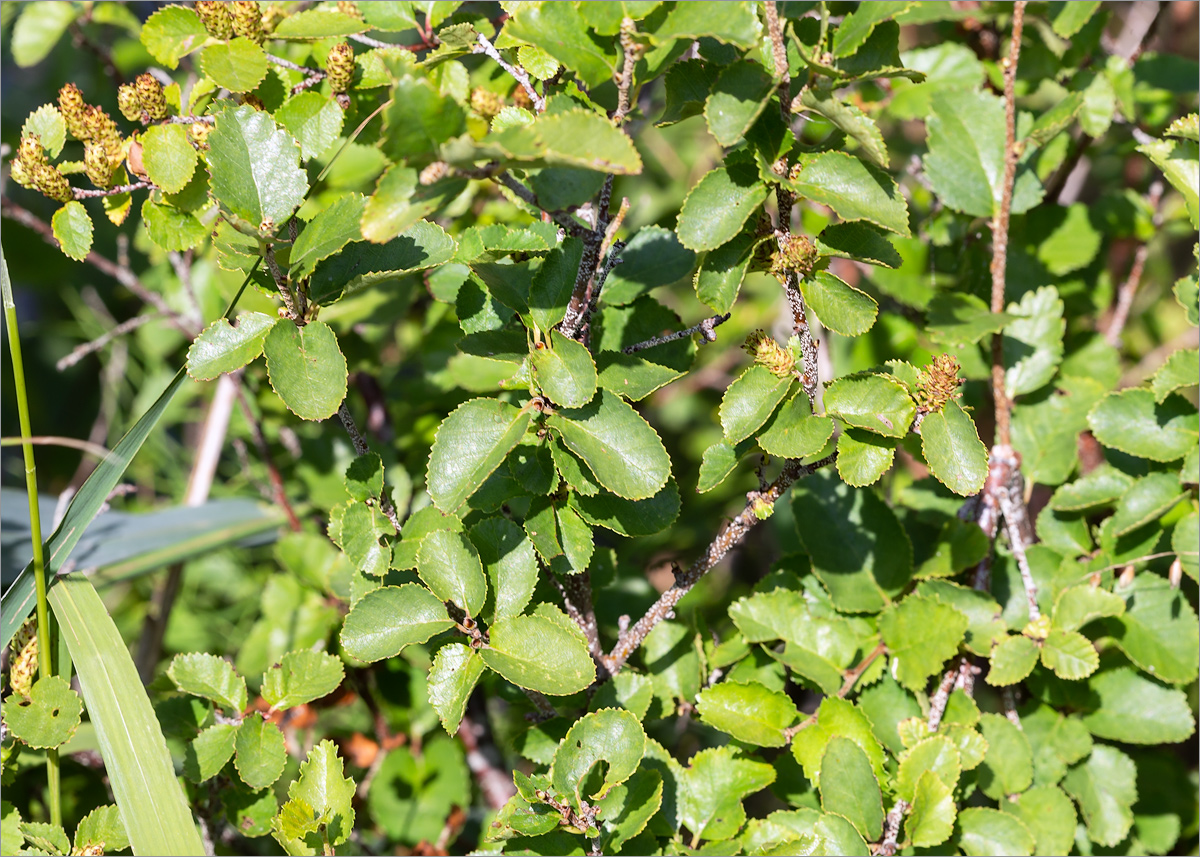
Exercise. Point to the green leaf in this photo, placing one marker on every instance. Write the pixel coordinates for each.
(565, 371)
(259, 752)
(386, 620)
(1181, 370)
(863, 457)
(985, 625)
(1072, 245)
(835, 717)
(612, 736)
(169, 157)
(48, 125)
(1067, 19)
(48, 716)
(399, 202)
(1069, 654)
(652, 258)
(619, 447)
(582, 138)
(358, 530)
(717, 462)
(849, 788)
(301, 677)
(849, 119)
(1131, 422)
(852, 33)
(965, 163)
(717, 207)
(538, 653)
(839, 306)
(984, 831)
(209, 677)
(171, 33)
(711, 790)
(793, 431)
(1185, 540)
(326, 234)
(136, 758)
(306, 368)
(738, 97)
(1078, 605)
(1133, 709)
(687, 85)
(936, 755)
(1033, 341)
(1185, 291)
(1102, 487)
(561, 31)
(511, 567)
(635, 376)
(102, 827)
(1047, 812)
(750, 400)
(1179, 161)
(455, 671)
(363, 265)
(930, 820)
(73, 230)
(960, 318)
(721, 270)
(859, 241)
(469, 445)
(877, 403)
(45, 838)
(254, 167)
(314, 120)
(1146, 500)
(552, 285)
(1008, 766)
(631, 517)
(749, 712)
(952, 449)
(921, 634)
(323, 797)
(1105, 787)
(859, 551)
(318, 24)
(450, 567)
(239, 65)
(854, 189)
(1012, 660)
(38, 30)
(364, 477)
(419, 120)
(170, 228)
(628, 808)
(222, 348)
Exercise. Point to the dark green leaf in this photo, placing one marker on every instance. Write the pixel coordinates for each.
(386, 620)
(471, 443)
(612, 736)
(717, 207)
(849, 787)
(222, 348)
(539, 653)
(255, 167)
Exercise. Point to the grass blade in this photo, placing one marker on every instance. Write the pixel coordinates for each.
(151, 802)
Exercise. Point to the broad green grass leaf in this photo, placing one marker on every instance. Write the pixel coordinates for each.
(863, 457)
(854, 189)
(985, 831)
(930, 820)
(1048, 813)
(170, 34)
(222, 348)
(1132, 422)
(1012, 660)
(619, 447)
(737, 99)
(1105, 787)
(469, 445)
(711, 790)
(565, 371)
(254, 167)
(38, 30)
(238, 65)
(921, 634)
(1146, 500)
(419, 120)
(301, 677)
(839, 306)
(1008, 766)
(325, 796)
(48, 716)
(952, 449)
(835, 717)
(750, 400)
(748, 711)
(1133, 709)
(794, 431)
(511, 566)
(849, 788)
(314, 120)
(1070, 655)
(306, 368)
(717, 207)
(449, 565)
(936, 755)
(455, 671)
(562, 32)
(169, 157)
(259, 753)
(612, 736)
(877, 403)
(140, 772)
(73, 230)
(326, 234)
(859, 551)
(209, 677)
(631, 517)
(386, 620)
(965, 163)
(537, 653)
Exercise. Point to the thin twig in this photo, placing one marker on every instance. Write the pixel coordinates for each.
(191, 120)
(937, 702)
(361, 448)
(1008, 701)
(108, 336)
(705, 328)
(572, 226)
(376, 43)
(1012, 506)
(611, 261)
(576, 590)
(288, 64)
(93, 449)
(891, 828)
(999, 264)
(1129, 288)
(519, 74)
(625, 77)
(730, 536)
(83, 193)
(264, 451)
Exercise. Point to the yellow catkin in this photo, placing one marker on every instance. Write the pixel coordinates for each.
(939, 383)
(339, 67)
(769, 353)
(486, 103)
(74, 110)
(247, 20)
(129, 102)
(153, 99)
(214, 14)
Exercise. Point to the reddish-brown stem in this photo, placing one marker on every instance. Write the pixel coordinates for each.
(278, 490)
(1120, 316)
(1000, 222)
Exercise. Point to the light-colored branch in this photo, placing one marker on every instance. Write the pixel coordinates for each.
(891, 828)
(93, 449)
(81, 351)
(495, 786)
(1000, 221)
(82, 193)
(1120, 316)
(704, 328)
(484, 46)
